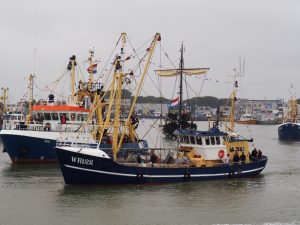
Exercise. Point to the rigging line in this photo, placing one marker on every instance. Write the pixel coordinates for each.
(149, 129)
(167, 56)
(79, 68)
(108, 60)
(186, 86)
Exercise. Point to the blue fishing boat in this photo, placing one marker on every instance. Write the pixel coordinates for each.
(32, 139)
(200, 155)
(290, 128)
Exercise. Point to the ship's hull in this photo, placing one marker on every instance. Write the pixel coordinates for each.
(266, 122)
(254, 121)
(78, 168)
(289, 131)
(38, 147)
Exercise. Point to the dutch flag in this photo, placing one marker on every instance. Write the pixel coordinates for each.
(174, 102)
(92, 68)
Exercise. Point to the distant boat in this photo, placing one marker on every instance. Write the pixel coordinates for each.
(290, 128)
(247, 119)
(267, 118)
(178, 116)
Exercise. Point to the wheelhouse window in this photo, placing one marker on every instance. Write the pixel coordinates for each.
(54, 116)
(199, 140)
(47, 116)
(207, 142)
(192, 138)
(80, 117)
(218, 141)
(66, 114)
(212, 140)
(186, 139)
(73, 116)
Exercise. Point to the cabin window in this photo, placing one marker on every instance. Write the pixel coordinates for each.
(66, 114)
(85, 116)
(218, 142)
(199, 140)
(54, 116)
(181, 139)
(73, 116)
(212, 140)
(40, 117)
(80, 117)
(186, 139)
(47, 116)
(207, 142)
(192, 140)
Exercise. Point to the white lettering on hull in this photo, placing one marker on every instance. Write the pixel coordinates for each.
(82, 161)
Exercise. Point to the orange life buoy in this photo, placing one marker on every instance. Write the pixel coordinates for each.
(221, 153)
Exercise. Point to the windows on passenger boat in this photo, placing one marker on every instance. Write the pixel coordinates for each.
(207, 142)
(66, 114)
(193, 141)
(47, 116)
(199, 140)
(80, 117)
(218, 141)
(54, 116)
(73, 116)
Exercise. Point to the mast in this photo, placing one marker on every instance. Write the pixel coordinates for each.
(71, 67)
(4, 98)
(119, 81)
(156, 38)
(30, 87)
(90, 59)
(181, 66)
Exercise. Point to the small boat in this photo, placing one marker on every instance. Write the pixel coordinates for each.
(178, 117)
(201, 155)
(247, 119)
(267, 118)
(290, 128)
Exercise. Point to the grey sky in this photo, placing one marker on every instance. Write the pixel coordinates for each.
(215, 32)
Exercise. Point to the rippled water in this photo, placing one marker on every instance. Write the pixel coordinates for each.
(36, 194)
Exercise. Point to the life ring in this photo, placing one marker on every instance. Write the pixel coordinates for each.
(221, 153)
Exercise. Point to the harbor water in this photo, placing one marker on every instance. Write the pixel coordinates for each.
(36, 194)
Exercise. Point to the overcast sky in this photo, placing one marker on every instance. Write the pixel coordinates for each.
(215, 32)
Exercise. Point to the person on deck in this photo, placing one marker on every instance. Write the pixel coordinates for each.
(243, 158)
(63, 119)
(254, 154)
(236, 157)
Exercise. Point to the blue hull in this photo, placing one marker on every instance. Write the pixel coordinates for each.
(289, 131)
(26, 149)
(105, 171)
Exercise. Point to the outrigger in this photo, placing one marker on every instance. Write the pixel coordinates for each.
(201, 155)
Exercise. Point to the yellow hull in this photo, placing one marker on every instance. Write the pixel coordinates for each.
(246, 121)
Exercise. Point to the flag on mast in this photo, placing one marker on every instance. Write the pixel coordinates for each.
(92, 68)
(174, 101)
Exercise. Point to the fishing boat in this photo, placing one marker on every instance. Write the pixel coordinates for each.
(247, 119)
(290, 128)
(178, 117)
(32, 140)
(201, 155)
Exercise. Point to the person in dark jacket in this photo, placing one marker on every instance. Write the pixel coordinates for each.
(236, 157)
(243, 158)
